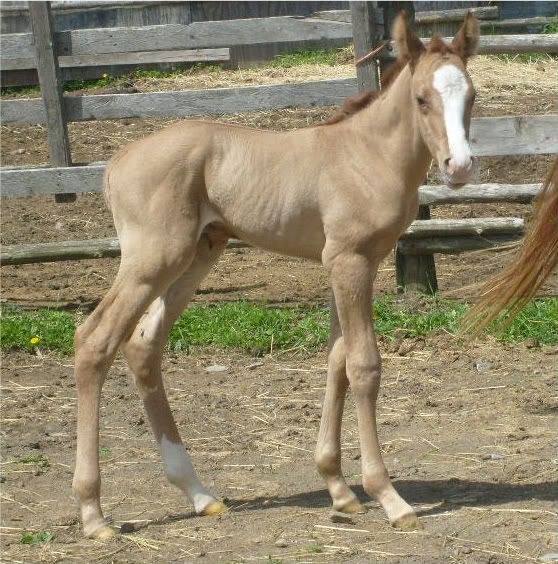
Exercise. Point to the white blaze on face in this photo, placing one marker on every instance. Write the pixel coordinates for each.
(451, 84)
(181, 473)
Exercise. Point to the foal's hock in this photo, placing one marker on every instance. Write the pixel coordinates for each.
(340, 194)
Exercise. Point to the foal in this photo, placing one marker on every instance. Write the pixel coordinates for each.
(342, 194)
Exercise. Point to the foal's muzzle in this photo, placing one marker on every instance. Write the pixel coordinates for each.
(458, 173)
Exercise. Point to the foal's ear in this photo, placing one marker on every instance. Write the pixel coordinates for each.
(466, 40)
(409, 46)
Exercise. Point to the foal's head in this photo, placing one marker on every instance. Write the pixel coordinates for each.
(443, 94)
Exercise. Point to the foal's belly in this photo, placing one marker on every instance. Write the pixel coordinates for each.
(284, 222)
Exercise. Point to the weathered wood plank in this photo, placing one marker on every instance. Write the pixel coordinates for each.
(455, 15)
(453, 245)
(421, 233)
(426, 228)
(519, 135)
(230, 33)
(136, 58)
(478, 193)
(508, 135)
(51, 89)
(366, 37)
(70, 250)
(197, 35)
(537, 21)
(187, 102)
(36, 181)
(421, 18)
(22, 182)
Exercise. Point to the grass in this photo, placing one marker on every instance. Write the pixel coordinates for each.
(36, 537)
(318, 57)
(257, 328)
(40, 459)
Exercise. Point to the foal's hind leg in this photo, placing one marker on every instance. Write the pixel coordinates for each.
(328, 447)
(144, 352)
(144, 274)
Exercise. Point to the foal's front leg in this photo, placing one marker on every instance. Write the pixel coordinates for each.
(328, 447)
(351, 278)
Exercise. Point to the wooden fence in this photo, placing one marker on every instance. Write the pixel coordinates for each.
(489, 136)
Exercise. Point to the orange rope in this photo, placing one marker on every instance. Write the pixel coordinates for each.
(371, 53)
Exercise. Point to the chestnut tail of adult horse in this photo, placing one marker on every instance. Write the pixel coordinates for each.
(512, 288)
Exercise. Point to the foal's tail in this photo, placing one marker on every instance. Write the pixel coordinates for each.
(518, 283)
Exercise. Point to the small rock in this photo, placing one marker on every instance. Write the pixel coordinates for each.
(216, 368)
(406, 347)
(18, 152)
(532, 343)
(466, 550)
(339, 517)
(255, 365)
(483, 366)
(281, 543)
(2, 479)
(549, 557)
(126, 528)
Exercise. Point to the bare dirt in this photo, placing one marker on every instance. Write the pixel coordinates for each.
(468, 433)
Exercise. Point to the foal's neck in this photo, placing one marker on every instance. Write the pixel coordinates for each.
(391, 121)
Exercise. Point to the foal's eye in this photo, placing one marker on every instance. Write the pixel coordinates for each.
(421, 101)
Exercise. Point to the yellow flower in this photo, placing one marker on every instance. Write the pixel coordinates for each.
(105, 75)
(35, 340)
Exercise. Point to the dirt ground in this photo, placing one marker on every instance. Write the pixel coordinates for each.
(468, 433)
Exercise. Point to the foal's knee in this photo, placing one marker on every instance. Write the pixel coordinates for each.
(327, 459)
(93, 354)
(144, 359)
(364, 377)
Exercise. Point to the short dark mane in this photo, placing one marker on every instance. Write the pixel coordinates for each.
(355, 104)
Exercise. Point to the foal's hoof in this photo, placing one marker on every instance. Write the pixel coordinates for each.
(103, 533)
(353, 506)
(408, 522)
(214, 508)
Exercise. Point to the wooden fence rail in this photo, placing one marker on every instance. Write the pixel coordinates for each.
(209, 35)
(422, 236)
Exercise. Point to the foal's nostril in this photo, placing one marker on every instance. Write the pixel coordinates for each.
(447, 164)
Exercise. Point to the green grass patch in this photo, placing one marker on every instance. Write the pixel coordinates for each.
(318, 57)
(42, 328)
(40, 459)
(258, 328)
(36, 537)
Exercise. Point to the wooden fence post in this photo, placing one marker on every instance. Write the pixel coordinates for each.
(51, 88)
(365, 38)
(414, 273)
